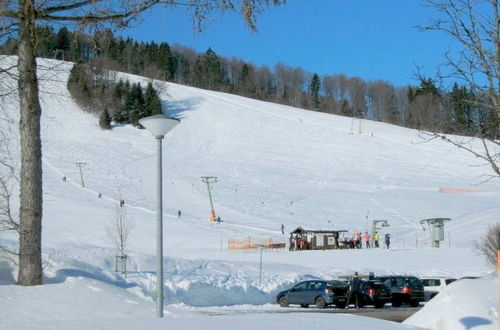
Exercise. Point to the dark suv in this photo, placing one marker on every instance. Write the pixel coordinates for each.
(374, 292)
(405, 289)
(315, 292)
(371, 292)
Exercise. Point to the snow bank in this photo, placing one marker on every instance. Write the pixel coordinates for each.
(464, 304)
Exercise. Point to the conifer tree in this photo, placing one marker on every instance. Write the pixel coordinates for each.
(105, 119)
(345, 108)
(152, 103)
(62, 43)
(461, 108)
(78, 85)
(208, 70)
(47, 44)
(134, 104)
(314, 90)
(246, 84)
(165, 61)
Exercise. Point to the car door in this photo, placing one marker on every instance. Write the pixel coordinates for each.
(314, 289)
(296, 294)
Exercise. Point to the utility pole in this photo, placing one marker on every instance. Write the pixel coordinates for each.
(79, 164)
(208, 180)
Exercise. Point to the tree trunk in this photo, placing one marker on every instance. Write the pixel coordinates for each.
(30, 230)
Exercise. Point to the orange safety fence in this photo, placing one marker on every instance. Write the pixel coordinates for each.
(251, 243)
(458, 190)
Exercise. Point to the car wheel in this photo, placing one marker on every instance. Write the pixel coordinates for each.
(320, 302)
(283, 302)
(396, 303)
(379, 304)
(304, 305)
(414, 303)
(340, 305)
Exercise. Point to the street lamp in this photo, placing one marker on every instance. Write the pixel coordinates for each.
(159, 126)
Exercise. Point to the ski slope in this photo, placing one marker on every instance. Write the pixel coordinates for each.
(275, 165)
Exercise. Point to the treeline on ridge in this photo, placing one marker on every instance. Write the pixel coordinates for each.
(425, 107)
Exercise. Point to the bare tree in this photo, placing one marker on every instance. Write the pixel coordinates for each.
(357, 90)
(22, 17)
(8, 178)
(382, 101)
(119, 231)
(8, 221)
(474, 25)
(490, 244)
(264, 81)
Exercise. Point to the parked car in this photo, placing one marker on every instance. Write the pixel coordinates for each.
(404, 289)
(314, 292)
(373, 292)
(432, 286)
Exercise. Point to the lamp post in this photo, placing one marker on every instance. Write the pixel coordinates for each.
(159, 126)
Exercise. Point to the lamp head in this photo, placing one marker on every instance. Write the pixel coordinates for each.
(159, 125)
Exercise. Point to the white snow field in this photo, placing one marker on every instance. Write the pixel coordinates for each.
(275, 165)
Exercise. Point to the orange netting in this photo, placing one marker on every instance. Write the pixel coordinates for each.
(253, 243)
(458, 190)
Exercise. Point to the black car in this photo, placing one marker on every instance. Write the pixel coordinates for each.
(404, 289)
(373, 292)
(314, 292)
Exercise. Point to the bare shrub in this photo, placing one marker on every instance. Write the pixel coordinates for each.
(490, 244)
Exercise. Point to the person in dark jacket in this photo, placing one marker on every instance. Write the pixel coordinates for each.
(353, 291)
(387, 240)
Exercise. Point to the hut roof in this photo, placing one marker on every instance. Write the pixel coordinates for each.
(300, 230)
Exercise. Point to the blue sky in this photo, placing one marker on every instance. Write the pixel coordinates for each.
(371, 39)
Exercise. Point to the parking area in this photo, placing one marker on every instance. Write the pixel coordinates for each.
(388, 313)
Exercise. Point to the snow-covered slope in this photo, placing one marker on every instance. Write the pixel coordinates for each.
(275, 165)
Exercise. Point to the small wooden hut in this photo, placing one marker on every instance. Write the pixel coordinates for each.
(306, 239)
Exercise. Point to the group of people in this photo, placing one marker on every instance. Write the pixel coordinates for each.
(358, 238)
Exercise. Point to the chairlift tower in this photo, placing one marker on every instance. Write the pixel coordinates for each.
(80, 164)
(437, 232)
(208, 180)
(375, 226)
